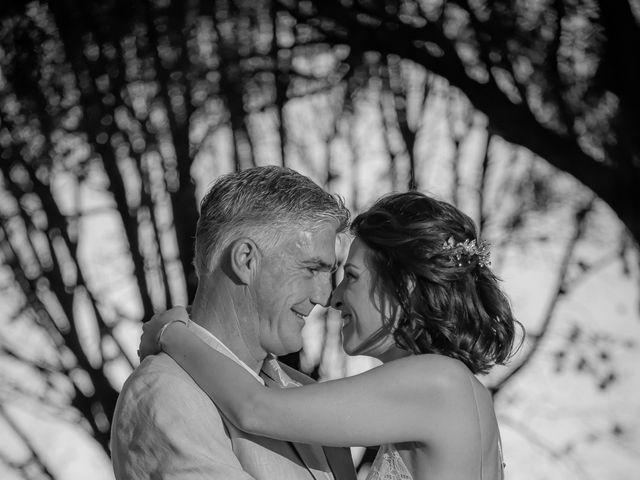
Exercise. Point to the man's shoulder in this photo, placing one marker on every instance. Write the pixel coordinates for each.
(160, 380)
(163, 422)
(158, 392)
(160, 366)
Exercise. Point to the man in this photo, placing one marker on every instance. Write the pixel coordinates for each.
(265, 251)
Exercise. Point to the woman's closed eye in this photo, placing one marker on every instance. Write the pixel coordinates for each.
(350, 275)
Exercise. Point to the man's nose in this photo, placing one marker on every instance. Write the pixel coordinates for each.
(322, 291)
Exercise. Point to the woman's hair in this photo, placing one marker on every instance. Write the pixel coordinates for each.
(449, 300)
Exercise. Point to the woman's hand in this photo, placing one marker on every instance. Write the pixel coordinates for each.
(151, 330)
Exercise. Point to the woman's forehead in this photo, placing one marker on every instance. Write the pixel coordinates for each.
(357, 252)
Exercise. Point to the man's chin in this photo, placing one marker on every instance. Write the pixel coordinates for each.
(286, 349)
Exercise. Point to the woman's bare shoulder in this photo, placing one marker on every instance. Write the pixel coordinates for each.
(435, 374)
(437, 395)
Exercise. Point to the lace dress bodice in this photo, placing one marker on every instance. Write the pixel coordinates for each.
(388, 465)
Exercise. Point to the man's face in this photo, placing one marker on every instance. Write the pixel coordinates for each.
(291, 281)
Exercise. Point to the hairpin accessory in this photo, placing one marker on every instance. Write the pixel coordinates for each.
(463, 252)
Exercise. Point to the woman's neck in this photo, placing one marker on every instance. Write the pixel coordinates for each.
(393, 353)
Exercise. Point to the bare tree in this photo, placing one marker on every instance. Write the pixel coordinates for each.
(557, 77)
(109, 112)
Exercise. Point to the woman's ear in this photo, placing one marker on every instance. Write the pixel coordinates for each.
(244, 259)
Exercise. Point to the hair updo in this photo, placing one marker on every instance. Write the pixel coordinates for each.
(446, 306)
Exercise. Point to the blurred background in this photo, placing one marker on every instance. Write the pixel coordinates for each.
(116, 115)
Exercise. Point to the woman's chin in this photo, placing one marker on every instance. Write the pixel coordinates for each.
(357, 350)
(349, 348)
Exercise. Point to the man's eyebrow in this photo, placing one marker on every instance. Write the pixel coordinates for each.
(320, 264)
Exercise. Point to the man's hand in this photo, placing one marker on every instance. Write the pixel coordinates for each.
(153, 329)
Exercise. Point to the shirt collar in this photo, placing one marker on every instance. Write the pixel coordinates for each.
(216, 343)
(271, 367)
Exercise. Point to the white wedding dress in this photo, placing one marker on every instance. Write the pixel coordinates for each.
(388, 465)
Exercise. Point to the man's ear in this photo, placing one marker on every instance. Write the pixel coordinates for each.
(244, 259)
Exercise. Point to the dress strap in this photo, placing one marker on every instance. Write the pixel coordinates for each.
(500, 456)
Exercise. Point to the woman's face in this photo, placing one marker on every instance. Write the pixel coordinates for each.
(364, 310)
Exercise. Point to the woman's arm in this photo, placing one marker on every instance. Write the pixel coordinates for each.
(405, 400)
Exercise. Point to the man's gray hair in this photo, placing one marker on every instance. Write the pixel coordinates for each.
(265, 203)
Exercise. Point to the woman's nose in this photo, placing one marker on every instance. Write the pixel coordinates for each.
(336, 297)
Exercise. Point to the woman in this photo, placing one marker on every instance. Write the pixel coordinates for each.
(418, 295)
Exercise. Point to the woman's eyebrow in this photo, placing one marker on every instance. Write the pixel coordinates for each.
(351, 265)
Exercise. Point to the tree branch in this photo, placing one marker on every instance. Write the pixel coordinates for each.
(558, 293)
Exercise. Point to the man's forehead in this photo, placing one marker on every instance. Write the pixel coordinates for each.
(343, 242)
(317, 236)
(317, 247)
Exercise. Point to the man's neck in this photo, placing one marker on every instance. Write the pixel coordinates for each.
(215, 310)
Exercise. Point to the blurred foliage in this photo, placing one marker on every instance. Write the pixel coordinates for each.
(112, 113)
